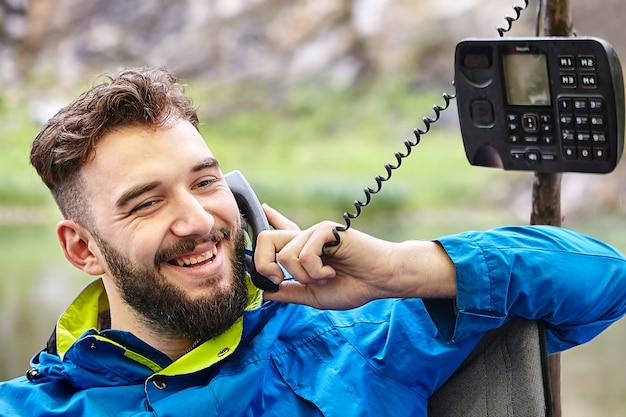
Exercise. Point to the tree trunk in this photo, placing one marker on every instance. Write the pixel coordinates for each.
(546, 200)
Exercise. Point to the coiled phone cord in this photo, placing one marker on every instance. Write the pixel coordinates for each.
(389, 168)
(418, 133)
(518, 12)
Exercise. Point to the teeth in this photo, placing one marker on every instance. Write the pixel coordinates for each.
(192, 260)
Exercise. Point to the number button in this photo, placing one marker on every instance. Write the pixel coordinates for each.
(582, 121)
(567, 135)
(583, 137)
(585, 153)
(580, 104)
(596, 104)
(597, 121)
(566, 120)
(598, 137)
(565, 104)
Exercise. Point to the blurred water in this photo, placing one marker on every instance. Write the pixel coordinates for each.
(36, 286)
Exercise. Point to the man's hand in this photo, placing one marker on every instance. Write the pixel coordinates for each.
(361, 269)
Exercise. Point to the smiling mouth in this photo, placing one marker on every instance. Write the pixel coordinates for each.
(188, 261)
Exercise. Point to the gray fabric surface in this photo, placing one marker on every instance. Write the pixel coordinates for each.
(505, 377)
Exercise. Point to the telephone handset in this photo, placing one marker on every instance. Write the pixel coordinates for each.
(255, 219)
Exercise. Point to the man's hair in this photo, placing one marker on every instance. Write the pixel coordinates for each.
(135, 97)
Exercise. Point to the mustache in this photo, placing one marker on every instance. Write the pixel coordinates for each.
(183, 246)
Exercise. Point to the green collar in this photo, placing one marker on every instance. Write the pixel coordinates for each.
(82, 315)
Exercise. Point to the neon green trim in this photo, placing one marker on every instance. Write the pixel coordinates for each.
(207, 354)
(153, 366)
(81, 316)
(255, 295)
(219, 348)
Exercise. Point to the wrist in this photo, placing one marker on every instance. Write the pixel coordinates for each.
(422, 269)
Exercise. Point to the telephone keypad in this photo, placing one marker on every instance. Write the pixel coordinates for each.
(582, 122)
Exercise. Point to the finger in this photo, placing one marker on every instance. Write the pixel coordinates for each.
(277, 220)
(302, 257)
(268, 243)
(312, 253)
(293, 292)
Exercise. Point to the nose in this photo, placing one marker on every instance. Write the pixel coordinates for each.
(190, 217)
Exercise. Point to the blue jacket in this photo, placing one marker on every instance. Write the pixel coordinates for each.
(383, 359)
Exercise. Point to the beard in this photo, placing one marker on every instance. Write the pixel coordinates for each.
(166, 308)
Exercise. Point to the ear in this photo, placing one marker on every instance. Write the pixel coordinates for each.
(79, 247)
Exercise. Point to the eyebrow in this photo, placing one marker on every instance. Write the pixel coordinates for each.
(140, 189)
(207, 163)
(135, 192)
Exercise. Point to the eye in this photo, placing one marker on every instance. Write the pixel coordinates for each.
(143, 206)
(204, 183)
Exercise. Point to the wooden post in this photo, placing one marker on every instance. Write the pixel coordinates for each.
(546, 199)
(546, 209)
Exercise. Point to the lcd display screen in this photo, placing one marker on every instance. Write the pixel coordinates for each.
(526, 79)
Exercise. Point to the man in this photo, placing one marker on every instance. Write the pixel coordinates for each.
(174, 327)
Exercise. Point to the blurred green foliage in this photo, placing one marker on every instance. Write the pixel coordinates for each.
(300, 147)
(310, 151)
(18, 181)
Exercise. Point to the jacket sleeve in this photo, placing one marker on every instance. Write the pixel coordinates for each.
(574, 283)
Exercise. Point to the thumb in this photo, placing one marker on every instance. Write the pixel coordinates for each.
(293, 292)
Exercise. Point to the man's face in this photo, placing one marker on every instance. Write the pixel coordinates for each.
(167, 228)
